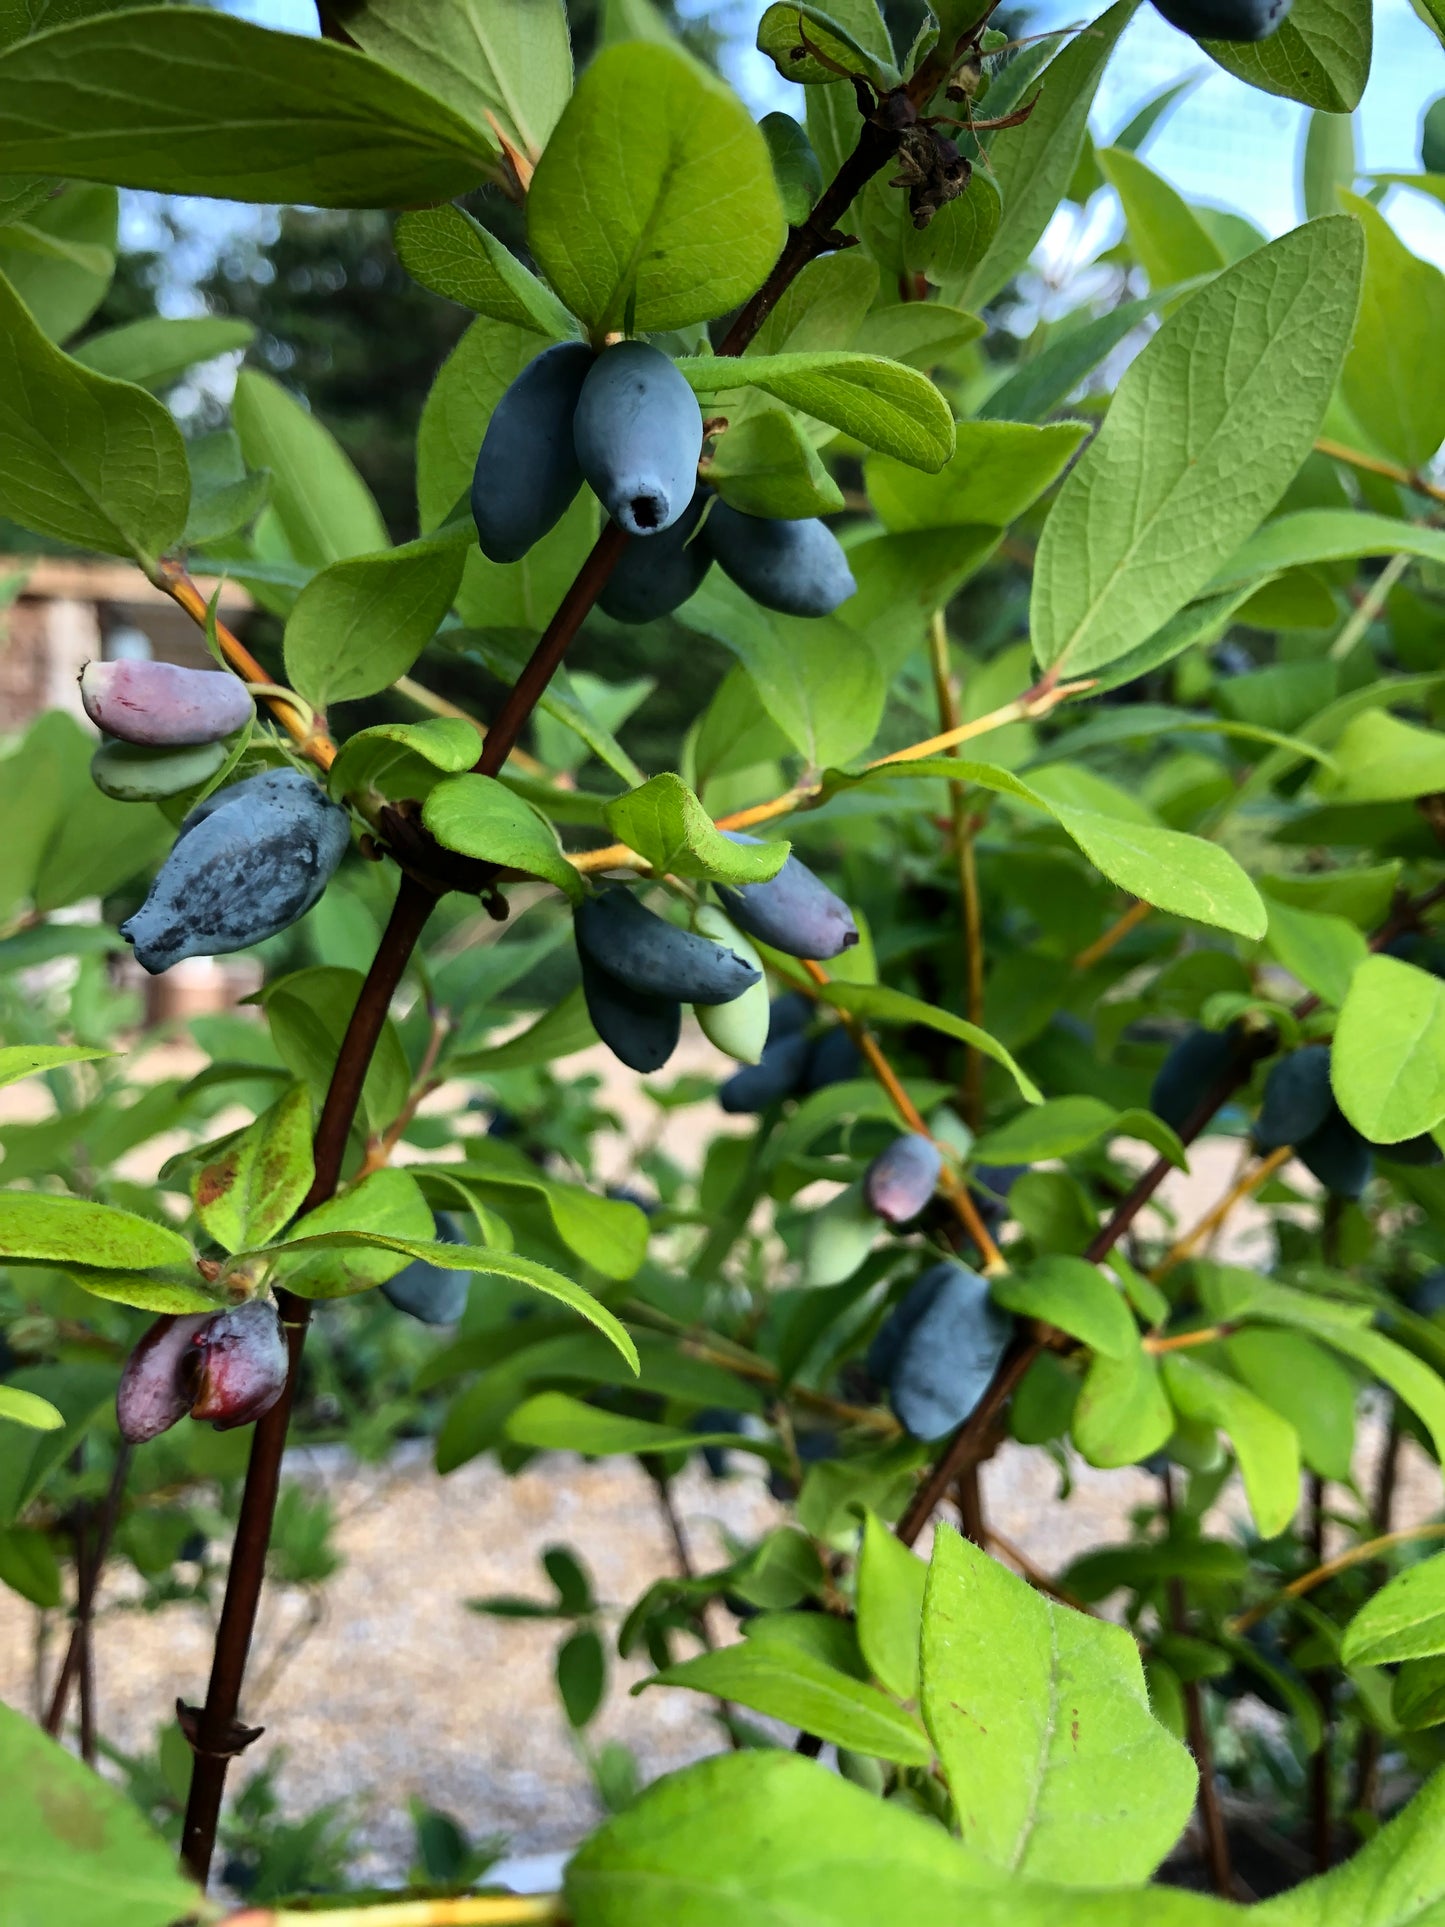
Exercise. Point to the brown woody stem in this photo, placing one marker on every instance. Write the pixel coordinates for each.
(216, 1734)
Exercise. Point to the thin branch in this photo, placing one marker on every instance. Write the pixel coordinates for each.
(1242, 1188)
(1370, 605)
(616, 856)
(86, 1588)
(1216, 1840)
(1354, 1556)
(1356, 458)
(950, 1184)
(467, 1910)
(1119, 929)
(963, 851)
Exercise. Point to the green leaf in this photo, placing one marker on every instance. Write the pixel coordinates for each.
(654, 205)
(38, 1228)
(795, 166)
(1393, 379)
(1122, 1414)
(387, 1201)
(480, 817)
(170, 1288)
(1404, 1620)
(1326, 535)
(1044, 381)
(1075, 1296)
(1322, 953)
(1185, 875)
(1041, 1719)
(445, 250)
(403, 758)
(1397, 1879)
(1266, 1445)
(363, 622)
(1062, 1126)
(581, 1669)
(308, 1012)
(1180, 448)
(231, 110)
(788, 33)
(817, 679)
(1232, 1296)
(957, 238)
(609, 1233)
(998, 469)
(922, 333)
(28, 1408)
(556, 1422)
(820, 1853)
(876, 1003)
(245, 1196)
(495, 1264)
(1388, 1061)
(1033, 164)
(664, 822)
(1318, 54)
(787, 1683)
(891, 1582)
(28, 1564)
(61, 260)
(158, 349)
(823, 308)
(557, 1033)
(501, 65)
(31, 1060)
(1380, 759)
(90, 460)
(880, 403)
(1167, 237)
(324, 508)
(1417, 1699)
(68, 1836)
(765, 465)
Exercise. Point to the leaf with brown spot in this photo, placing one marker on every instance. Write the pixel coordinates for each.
(74, 1851)
(245, 1196)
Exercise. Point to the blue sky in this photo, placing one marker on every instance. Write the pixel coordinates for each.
(1227, 144)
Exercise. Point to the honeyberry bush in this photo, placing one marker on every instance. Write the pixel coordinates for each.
(1073, 790)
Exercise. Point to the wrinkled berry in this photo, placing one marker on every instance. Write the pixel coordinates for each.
(240, 1365)
(154, 1390)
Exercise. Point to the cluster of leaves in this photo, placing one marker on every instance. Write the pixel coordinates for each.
(1249, 762)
